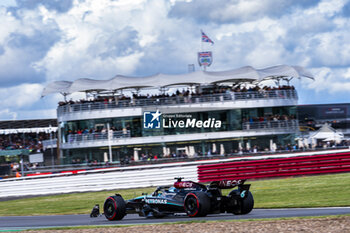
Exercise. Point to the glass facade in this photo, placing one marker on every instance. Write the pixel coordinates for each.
(134, 124)
(225, 146)
(230, 120)
(312, 117)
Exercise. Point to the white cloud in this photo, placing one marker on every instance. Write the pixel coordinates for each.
(330, 7)
(9, 24)
(7, 3)
(42, 42)
(8, 114)
(21, 96)
(331, 81)
(24, 102)
(99, 41)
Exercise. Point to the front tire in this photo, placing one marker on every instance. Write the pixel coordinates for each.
(114, 208)
(197, 204)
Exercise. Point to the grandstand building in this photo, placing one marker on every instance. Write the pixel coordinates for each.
(195, 114)
(21, 138)
(314, 116)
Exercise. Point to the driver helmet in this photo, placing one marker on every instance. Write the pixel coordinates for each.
(172, 189)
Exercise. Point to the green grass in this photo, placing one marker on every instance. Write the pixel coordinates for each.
(76, 203)
(311, 191)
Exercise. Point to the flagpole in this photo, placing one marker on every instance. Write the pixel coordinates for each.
(201, 42)
(202, 46)
(205, 38)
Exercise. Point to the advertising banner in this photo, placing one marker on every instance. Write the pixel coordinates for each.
(205, 58)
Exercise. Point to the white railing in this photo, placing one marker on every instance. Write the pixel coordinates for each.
(120, 178)
(280, 124)
(50, 143)
(73, 138)
(174, 100)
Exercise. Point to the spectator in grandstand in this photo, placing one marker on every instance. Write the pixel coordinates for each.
(143, 157)
(185, 95)
(31, 141)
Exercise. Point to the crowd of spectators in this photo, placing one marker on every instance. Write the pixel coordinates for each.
(188, 94)
(259, 89)
(275, 117)
(31, 141)
(98, 130)
(150, 156)
(121, 131)
(27, 141)
(125, 131)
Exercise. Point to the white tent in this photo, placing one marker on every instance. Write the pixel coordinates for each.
(306, 143)
(248, 146)
(222, 149)
(214, 148)
(164, 151)
(191, 151)
(336, 137)
(136, 155)
(274, 146)
(187, 151)
(300, 143)
(168, 151)
(243, 74)
(271, 145)
(105, 157)
(313, 143)
(327, 132)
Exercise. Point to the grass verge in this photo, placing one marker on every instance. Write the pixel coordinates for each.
(310, 191)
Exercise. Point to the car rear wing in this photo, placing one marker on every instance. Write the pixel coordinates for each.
(228, 184)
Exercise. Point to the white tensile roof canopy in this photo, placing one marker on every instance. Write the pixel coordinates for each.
(29, 130)
(328, 133)
(119, 82)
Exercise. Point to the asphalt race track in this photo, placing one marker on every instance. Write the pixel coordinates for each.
(31, 222)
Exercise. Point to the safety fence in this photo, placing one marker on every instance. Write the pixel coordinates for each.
(279, 167)
(120, 179)
(273, 165)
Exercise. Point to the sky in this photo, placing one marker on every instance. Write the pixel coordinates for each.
(42, 41)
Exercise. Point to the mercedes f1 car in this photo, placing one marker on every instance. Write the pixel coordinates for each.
(194, 199)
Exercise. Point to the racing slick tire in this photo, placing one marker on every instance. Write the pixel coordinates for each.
(158, 215)
(114, 208)
(197, 204)
(245, 205)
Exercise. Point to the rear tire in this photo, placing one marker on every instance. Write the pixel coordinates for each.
(114, 208)
(197, 204)
(246, 204)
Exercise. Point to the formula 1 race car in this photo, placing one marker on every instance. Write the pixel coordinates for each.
(194, 199)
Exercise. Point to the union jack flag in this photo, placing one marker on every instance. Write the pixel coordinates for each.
(205, 38)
